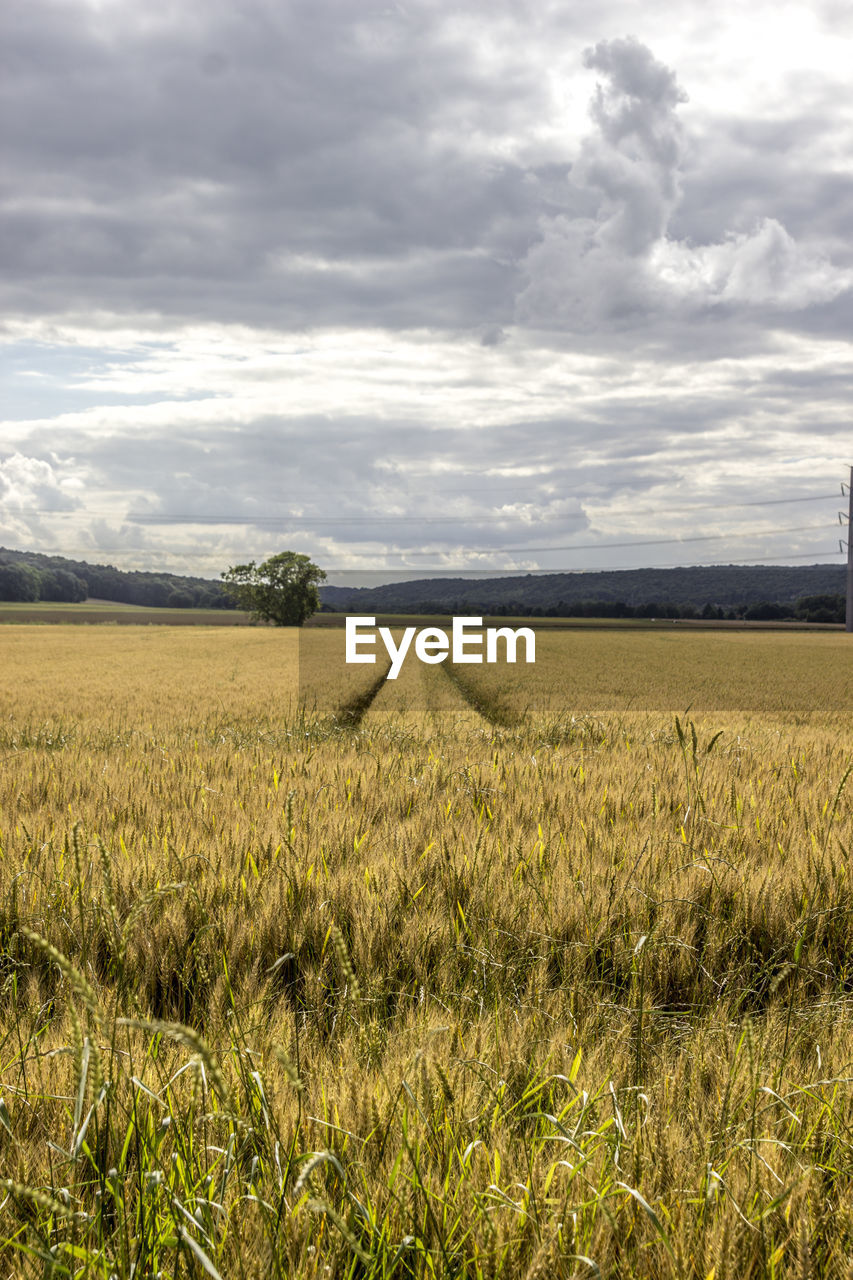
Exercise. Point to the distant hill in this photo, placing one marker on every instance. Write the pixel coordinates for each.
(715, 587)
(30, 575)
(719, 590)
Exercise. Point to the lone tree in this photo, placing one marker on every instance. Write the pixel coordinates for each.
(282, 590)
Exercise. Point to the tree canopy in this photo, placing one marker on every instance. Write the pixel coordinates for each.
(281, 590)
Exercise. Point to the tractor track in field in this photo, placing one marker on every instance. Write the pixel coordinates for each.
(351, 713)
(490, 708)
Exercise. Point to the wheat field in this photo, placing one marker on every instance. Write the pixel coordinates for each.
(512, 973)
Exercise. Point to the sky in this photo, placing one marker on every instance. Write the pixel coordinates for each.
(421, 286)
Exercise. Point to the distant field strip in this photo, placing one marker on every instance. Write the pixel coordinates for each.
(107, 612)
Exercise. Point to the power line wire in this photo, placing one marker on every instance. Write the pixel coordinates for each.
(726, 506)
(592, 569)
(644, 542)
(739, 534)
(479, 569)
(581, 546)
(164, 518)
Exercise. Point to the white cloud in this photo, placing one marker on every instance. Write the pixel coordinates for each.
(762, 268)
(617, 265)
(36, 482)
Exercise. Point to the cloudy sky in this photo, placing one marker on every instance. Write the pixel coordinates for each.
(424, 285)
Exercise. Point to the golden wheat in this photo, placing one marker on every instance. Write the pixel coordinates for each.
(439, 989)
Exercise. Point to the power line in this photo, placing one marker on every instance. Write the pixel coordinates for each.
(625, 568)
(479, 569)
(654, 511)
(740, 534)
(644, 542)
(158, 518)
(164, 519)
(726, 506)
(585, 546)
(419, 520)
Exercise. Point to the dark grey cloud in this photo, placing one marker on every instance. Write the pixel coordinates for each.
(738, 171)
(293, 164)
(323, 163)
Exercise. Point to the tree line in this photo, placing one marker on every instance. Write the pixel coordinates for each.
(284, 590)
(281, 590)
(732, 588)
(29, 577)
(818, 608)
